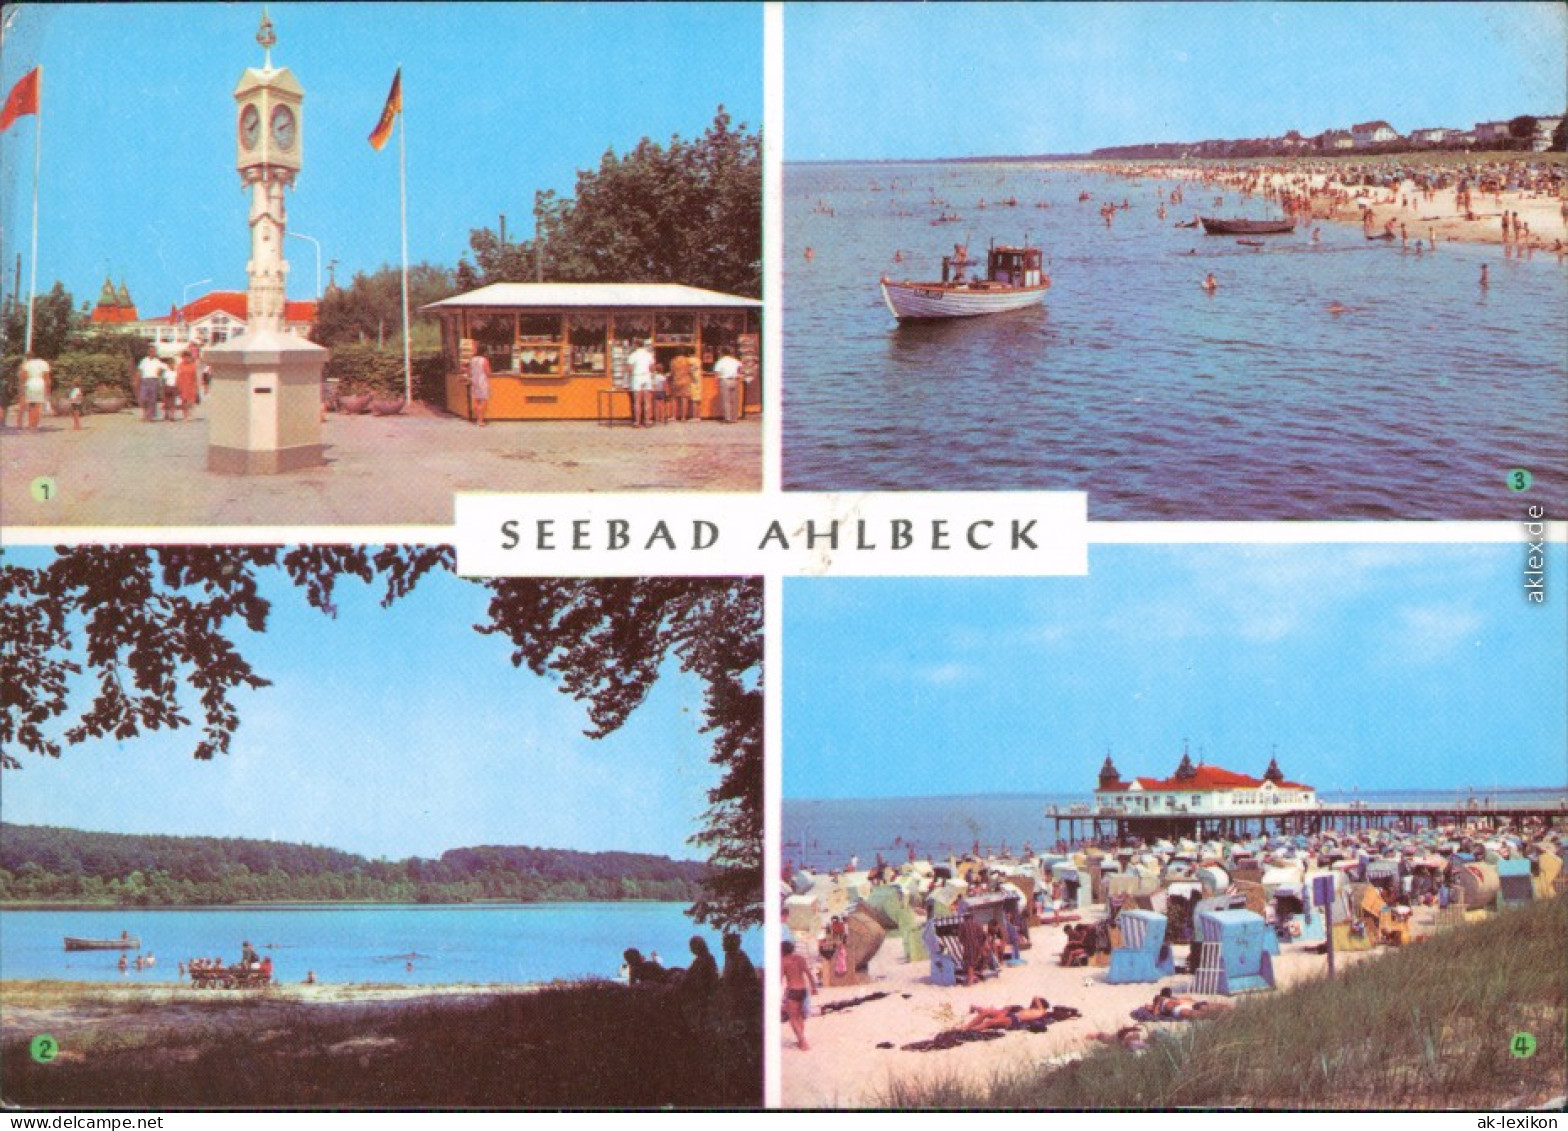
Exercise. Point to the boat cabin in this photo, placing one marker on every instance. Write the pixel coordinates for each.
(1014, 266)
(1005, 266)
(558, 350)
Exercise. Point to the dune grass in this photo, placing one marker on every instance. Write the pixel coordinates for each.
(572, 1045)
(1428, 1026)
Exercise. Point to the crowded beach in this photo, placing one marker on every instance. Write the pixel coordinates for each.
(1423, 201)
(991, 961)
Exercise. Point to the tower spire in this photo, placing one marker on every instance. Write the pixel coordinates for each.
(266, 37)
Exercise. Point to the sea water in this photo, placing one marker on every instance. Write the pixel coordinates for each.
(1133, 384)
(532, 942)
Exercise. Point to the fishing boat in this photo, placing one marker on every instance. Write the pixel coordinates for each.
(1216, 227)
(124, 942)
(1013, 279)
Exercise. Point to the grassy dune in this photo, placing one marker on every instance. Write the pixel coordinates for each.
(1426, 1027)
(581, 1045)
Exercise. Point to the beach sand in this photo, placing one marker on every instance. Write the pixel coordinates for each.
(844, 1067)
(136, 1013)
(1439, 218)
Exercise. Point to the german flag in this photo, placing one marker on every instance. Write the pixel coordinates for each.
(23, 99)
(389, 113)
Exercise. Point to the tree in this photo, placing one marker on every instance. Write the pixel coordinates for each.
(1521, 130)
(371, 306)
(54, 320)
(689, 212)
(1560, 136)
(153, 623)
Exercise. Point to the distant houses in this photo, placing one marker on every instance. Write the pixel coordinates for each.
(1525, 133)
(1379, 132)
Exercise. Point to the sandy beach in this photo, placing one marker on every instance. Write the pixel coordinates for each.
(1436, 216)
(135, 1014)
(845, 1067)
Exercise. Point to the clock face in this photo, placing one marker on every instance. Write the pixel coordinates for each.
(283, 127)
(250, 126)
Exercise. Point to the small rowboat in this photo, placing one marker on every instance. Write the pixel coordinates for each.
(124, 942)
(1247, 227)
(1013, 280)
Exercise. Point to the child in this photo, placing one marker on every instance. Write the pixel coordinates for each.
(76, 408)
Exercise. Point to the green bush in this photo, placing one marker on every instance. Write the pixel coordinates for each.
(94, 372)
(365, 369)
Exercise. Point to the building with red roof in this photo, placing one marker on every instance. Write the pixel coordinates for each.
(216, 317)
(114, 307)
(1201, 790)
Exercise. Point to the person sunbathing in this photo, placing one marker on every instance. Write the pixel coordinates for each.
(1166, 1004)
(1128, 1037)
(1006, 1017)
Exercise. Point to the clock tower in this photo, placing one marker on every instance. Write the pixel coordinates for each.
(266, 384)
(270, 137)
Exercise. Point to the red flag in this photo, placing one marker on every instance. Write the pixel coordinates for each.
(389, 113)
(23, 99)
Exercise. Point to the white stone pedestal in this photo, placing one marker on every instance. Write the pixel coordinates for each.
(264, 404)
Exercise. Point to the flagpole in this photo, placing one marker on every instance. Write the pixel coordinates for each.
(38, 144)
(402, 191)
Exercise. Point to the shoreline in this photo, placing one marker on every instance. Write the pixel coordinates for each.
(37, 1005)
(1322, 194)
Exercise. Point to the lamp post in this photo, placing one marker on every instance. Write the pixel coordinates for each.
(317, 243)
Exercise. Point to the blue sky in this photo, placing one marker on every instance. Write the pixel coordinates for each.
(875, 81)
(1378, 667)
(499, 99)
(392, 733)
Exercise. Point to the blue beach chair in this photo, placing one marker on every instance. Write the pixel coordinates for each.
(1144, 955)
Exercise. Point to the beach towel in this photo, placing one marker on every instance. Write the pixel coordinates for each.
(952, 1038)
(840, 1006)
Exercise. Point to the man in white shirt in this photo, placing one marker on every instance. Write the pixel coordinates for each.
(640, 362)
(149, 388)
(727, 369)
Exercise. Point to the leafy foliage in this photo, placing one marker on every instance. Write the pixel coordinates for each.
(155, 624)
(40, 864)
(92, 371)
(54, 321)
(370, 308)
(364, 368)
(689, 212)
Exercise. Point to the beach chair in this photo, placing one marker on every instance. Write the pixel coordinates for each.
(1516, 885)
(1383, 923)
(1234, 956)
(1144, 955)
(942, 944)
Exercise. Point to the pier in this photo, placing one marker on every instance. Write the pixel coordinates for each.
(1122, 827)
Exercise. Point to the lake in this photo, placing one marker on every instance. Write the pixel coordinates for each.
(532, 942)
(825, 833)
(1133, 384)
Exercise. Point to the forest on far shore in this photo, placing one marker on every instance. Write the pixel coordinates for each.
(41, 864)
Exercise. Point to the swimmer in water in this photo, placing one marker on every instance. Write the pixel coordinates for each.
(1485, 282)
(1210, 284)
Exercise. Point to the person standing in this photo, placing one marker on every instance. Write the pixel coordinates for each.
(479, 385)
(185, 383)
(727, 369)
(798, 984)
(35, 375)
(149, 387)
(77, 402)
(171, 391)
(640, 364)
(680, 385)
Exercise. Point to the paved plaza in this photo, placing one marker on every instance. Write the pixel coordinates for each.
(402, 470)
